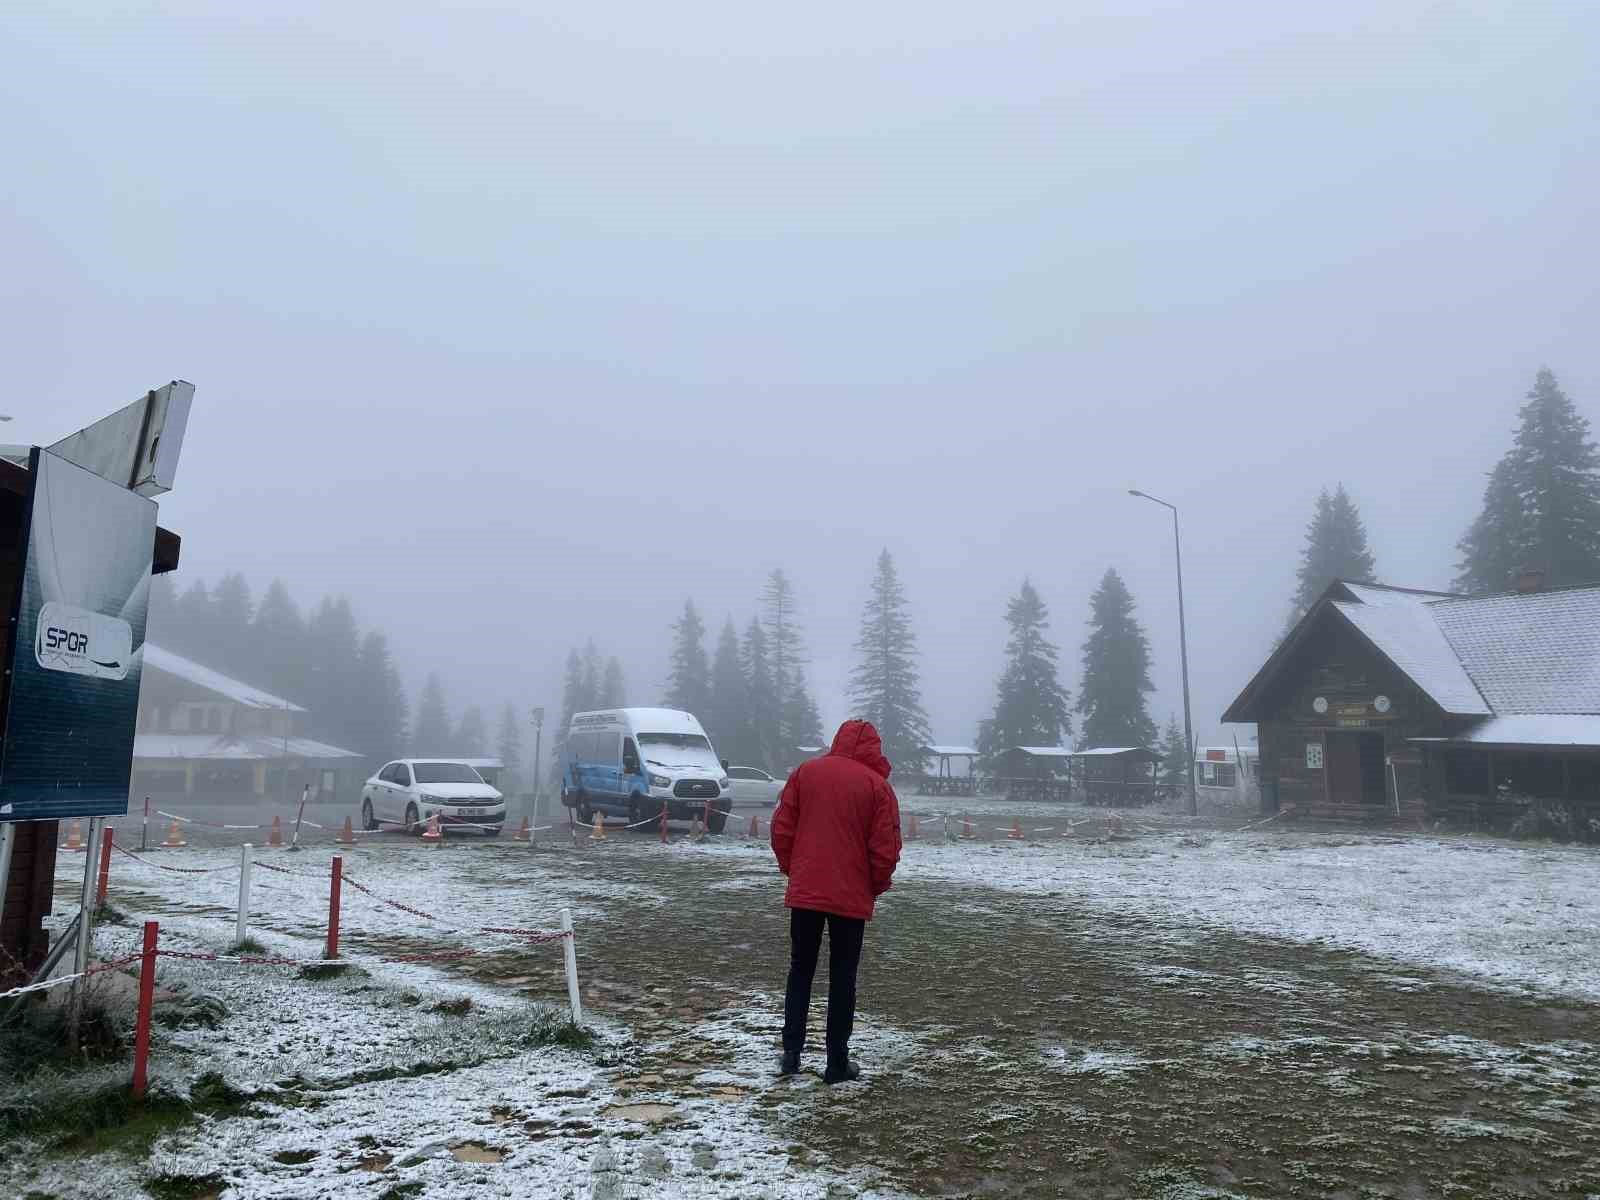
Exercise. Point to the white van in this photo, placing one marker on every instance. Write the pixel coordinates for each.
(628, 761)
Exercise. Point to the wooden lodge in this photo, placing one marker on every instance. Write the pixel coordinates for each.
(1387, 704)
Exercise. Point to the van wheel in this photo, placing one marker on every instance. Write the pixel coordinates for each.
(585, 813)
(718, 821)
(640, 815)
(413, 820)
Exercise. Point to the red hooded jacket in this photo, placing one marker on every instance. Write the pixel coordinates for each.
(836, 832)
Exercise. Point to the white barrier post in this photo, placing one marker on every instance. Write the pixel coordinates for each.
(572, 966)
(245, 856)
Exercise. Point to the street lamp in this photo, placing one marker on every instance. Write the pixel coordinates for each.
(1183, 645)
(538, 747)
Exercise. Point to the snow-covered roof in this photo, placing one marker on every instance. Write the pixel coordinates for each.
(1523, 729)
(218, 747)
(1114, 751)
(1043, 751)
(1403, 628)
(1515, 653)
(1535, 652)
(213, 681)
(640, 720)
(949, 751)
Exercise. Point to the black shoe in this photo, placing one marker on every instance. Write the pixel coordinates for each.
(841, 1072)
(790, 1064)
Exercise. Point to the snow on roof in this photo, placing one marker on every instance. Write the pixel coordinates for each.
(225, 747)
(1113, 751)
(949, 751)
(213, 681)
(1524, 729)
(1403, 628)
(1043, 751)
(1534, 652)
(641, 720)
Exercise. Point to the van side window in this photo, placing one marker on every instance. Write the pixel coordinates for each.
(630, 757)
(610, 748)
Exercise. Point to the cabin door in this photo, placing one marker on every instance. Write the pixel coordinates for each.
(1355, 770)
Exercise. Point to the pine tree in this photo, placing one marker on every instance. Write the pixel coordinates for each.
(1031, 707)
(233, 610)
(884, 687)
(592, 684)
(1541, 508)
(785, 647)
(195, 628)
(572, 697)
(433, 734)
(508, 746)
(613, 691)
(471, 738)
(281, 658)
(1174, 757)
(1336, 548)
(764, 706)
(333, 648)
(1116, 671)
(162, 623)
(728, 711)
(801, 723)
(382, 707)
(689, 683)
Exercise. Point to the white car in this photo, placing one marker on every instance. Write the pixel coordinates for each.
(754, 788)
(411, 791)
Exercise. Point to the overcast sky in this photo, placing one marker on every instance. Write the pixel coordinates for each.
(519, 327)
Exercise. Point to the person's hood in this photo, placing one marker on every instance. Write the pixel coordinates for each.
(860, 741)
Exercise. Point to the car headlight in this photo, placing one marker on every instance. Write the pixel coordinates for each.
(432, 799)
(660, 781)
(724, 783)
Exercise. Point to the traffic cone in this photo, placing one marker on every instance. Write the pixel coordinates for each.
(347, 835)
(663, 823)
(433, 833)
(174, 837)
(522, 834)
(755, 825)
(911, 829)
(599, 827)
(966, 826)
(1016, 829)
(275, 838)
(74, 837)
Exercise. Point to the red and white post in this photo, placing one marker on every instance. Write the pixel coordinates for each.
(147, 997)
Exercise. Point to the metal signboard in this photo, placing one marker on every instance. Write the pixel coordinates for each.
(75, 652)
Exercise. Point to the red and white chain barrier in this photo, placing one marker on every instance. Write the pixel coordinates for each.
(46, 984)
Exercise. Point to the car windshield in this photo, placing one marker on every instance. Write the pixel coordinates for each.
(445, 772)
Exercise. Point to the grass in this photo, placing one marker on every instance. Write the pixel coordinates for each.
(316, 972)
(551, 1027)
(185, 1187)
(458, 1007)
(247, 945)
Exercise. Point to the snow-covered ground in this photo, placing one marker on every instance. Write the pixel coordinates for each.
(1130, 980)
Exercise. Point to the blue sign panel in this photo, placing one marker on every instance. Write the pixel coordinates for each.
(77, 646)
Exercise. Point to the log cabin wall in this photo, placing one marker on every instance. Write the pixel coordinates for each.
(1331, 747)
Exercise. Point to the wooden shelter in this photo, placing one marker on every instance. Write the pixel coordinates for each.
(1119, 776)
(945, 780)
(1385, 703)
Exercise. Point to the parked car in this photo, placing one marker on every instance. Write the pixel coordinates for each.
(411, 791)
(636, 761)
(754, 788)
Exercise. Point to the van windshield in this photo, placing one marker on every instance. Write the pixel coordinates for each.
(445, 772)
(674, 741)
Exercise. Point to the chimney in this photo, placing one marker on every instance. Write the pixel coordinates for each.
(1530, 579)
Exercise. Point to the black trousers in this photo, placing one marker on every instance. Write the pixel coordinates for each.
(844, 956)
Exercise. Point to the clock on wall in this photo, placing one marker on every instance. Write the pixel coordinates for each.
(1319, 705)
(1381, 704)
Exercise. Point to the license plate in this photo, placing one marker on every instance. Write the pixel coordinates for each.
(472, 812)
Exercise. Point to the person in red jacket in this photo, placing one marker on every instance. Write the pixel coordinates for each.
(836, 834)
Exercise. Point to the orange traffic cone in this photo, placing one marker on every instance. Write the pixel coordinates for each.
(174, 837)
(1016, 829)
(911, 829)
(275, 838)
(966, 826)
(599, 827)
(523, 834)
(74, 837)
(347, 835)
(433, 833)
(663, 823)
(755, 825)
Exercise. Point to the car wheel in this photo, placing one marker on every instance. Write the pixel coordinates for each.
(413, 819)
(718, 821)
(368, 821)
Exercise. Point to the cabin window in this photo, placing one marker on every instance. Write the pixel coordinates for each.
(1219, 774)
(1466, 773)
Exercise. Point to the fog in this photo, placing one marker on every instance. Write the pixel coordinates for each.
(520, 328)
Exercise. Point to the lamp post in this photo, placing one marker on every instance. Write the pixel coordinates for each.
(538, 746)
(1183, 646)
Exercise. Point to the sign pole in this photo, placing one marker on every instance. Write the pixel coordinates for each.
(8, 840)
(80, 957)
